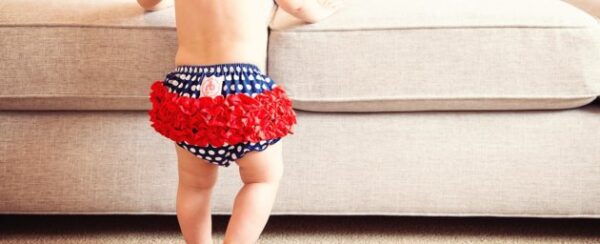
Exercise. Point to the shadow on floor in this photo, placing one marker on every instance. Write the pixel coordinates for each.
(383, 225)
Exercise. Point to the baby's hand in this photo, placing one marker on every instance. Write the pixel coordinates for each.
(310, 11)
(153, 5)
(326, 9)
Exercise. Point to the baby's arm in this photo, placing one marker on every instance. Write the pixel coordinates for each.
(310, 11)
(152, 5)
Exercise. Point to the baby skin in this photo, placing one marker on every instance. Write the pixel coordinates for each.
(229, 31)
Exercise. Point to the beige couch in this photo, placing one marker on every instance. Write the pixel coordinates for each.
(429, 107)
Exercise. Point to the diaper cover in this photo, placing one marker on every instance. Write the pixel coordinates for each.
(220, 112)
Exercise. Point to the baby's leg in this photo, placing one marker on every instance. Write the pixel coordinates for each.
(261, 172)
(196, 180)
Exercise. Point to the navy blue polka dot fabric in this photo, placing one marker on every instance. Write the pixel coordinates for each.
(186, 80)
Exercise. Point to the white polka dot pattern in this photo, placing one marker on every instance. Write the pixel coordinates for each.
(225, 156)
(245, 78)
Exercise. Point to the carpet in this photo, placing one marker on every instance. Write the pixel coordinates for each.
(284, 229)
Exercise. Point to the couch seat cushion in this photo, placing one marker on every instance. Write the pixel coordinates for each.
(391, 55)
(83, 55)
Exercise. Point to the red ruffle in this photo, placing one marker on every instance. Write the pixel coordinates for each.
(232, 119)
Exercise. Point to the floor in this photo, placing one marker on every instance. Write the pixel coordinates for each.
(302, 229)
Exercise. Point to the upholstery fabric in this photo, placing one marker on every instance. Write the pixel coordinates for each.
(67, 145)
(501, 163)
(85, 55)
(439, 55)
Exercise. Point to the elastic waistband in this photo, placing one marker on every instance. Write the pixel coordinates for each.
(226, 68)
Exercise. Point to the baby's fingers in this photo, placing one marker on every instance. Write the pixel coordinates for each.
(336, 3)
(331, 4)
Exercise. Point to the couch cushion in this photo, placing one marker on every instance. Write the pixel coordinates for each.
(466, 163)
(83, 55)
(392, 55)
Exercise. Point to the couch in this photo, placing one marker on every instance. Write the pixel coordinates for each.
(424, 108)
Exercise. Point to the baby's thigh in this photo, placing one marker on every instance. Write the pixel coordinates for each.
(262, 166)
(194, 171)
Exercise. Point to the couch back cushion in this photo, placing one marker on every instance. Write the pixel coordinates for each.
(84, 55)
(391, 55)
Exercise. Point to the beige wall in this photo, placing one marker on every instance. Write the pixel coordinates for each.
(591, 6)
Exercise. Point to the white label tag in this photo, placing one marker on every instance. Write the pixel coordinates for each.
(211, 86)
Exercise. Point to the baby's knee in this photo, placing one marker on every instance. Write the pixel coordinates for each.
(271, 174)
(198, 182)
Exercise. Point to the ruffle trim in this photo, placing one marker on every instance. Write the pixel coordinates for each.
(219, 120)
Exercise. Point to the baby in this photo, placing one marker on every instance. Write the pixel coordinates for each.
(219, 107)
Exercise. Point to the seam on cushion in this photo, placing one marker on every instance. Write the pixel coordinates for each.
(303, 30)
(88, 26)
(432, 28)
(338, 213)
(438, 98)
(321, 100)
(70, 96)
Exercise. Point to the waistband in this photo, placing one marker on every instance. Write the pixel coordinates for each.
(218, 69)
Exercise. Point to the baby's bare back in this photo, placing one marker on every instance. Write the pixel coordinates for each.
(222, 31)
